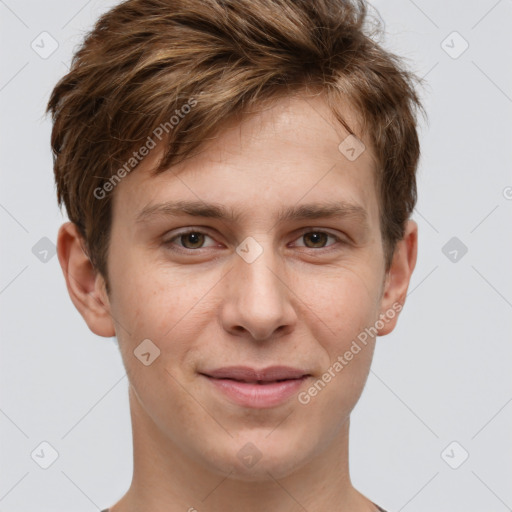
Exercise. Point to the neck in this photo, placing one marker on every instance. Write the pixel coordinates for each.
(165, 479)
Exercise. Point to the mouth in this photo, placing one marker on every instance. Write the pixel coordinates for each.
(253, 388)
(253, 376)
(261, 382)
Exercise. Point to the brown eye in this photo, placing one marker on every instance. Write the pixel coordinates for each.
(318, 239)
(192, 240)
(188, 242)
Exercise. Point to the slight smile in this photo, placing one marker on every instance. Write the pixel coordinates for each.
(258, 389)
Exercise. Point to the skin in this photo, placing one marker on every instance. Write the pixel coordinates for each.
(302, 302)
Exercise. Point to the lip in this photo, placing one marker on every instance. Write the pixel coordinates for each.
(248, 374)
(265, 388)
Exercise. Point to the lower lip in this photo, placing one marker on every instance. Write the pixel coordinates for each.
(258, 395)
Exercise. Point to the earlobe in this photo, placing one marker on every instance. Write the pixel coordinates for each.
(86, 287)
(398, 278)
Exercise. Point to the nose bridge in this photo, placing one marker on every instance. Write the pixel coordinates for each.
(258, 300)
(258, 269)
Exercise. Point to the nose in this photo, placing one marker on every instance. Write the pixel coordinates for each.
(258, 300)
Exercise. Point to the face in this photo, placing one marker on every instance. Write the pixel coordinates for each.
(254, 294)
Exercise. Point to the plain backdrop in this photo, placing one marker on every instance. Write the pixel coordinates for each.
(432, 429)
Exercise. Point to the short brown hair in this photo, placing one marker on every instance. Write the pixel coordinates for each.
(144, 59)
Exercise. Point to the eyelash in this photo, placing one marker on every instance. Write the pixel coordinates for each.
(171, 246)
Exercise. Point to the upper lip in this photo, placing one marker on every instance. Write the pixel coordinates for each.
(247, 374)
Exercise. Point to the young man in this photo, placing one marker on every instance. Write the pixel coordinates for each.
(239, 177)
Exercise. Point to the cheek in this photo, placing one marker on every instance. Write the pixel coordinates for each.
(341, 309)
(153, 301)
(341, 303)
(345, 306)
(170, 308)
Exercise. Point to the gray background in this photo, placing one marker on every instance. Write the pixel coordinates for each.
(442, 376)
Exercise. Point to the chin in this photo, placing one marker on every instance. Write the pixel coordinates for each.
(265, 469)
(260, 458)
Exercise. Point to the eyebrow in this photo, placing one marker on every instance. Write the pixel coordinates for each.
(337, 209)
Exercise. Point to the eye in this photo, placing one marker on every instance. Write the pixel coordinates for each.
(192, 239)
(317, 239)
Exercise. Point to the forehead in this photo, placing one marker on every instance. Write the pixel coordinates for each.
(286, 153)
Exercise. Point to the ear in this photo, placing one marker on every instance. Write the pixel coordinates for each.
(86, 286)
(398, 278)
